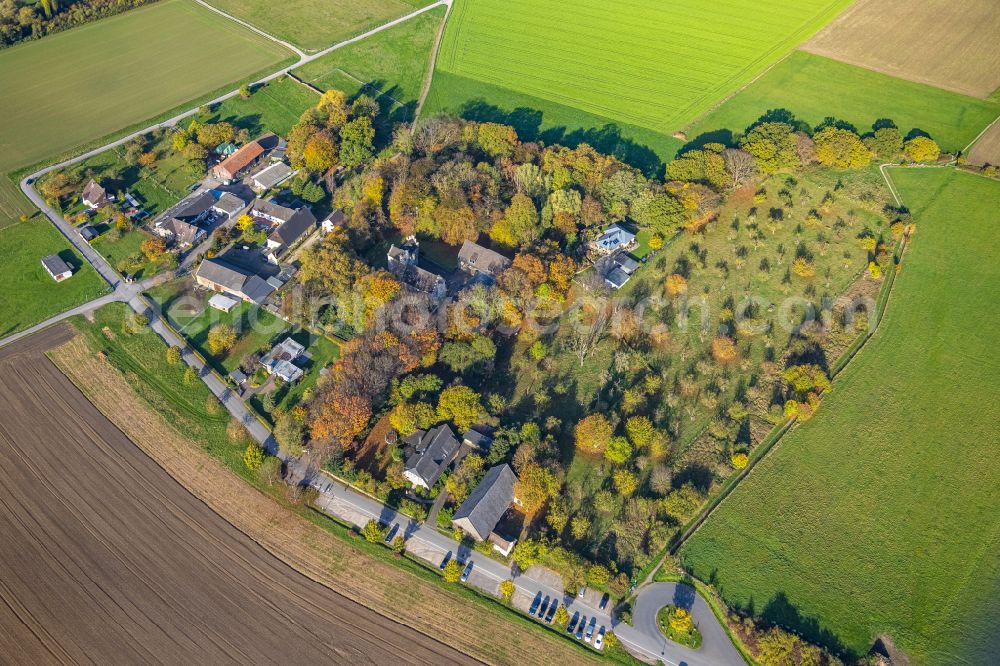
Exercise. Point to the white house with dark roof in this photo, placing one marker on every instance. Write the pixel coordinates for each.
(620, 269)
(56, 267)
(403, 263)
(614, 239)
(94, 196)
(272, 214)
(228, 204)
(280, 361)
(220, 275)
(482, 510)
(270, 176)
(429, 452)
(288, 234)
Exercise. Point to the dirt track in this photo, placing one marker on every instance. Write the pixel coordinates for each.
(106, 559)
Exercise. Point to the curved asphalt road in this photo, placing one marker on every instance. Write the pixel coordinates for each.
(716, 648)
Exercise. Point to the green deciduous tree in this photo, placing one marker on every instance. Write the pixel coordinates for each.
(773, 147)
(841, 148)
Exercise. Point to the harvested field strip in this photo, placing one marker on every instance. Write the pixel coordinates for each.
(656, 66)
(986, 149)
(305, 545)
(108, 559)
(938, 42)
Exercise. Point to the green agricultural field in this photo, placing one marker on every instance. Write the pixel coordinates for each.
(273, 107)
(657, 67)
(881, 514)
(316, 25)
(85, 83)
(391, 64)
(813, 88)
(29, 294)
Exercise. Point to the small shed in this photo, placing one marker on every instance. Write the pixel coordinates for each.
(88, 233)
(57, 267)
(223, 302)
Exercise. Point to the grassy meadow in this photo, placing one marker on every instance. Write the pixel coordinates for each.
(391, 64)
(813, 88)
(657, 67)
(82, 84)
(29, 293)
(316, 25)
(880, 515)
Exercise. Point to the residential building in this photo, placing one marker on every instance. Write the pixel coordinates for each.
(194, 209)
(403, 263)
(290, 233)
(57, 267)
(94, 196)
(239, 162)
(270, 176)
(227, 204)
(620, 269)
(178, 231)
(220, 275)
(334, 219)
(428, 454)
(479, 260)
(615, 238)
(280, 361)
(271, 213)
(479, 514)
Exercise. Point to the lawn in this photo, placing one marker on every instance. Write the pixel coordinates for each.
(392, 64)
(187, 309)
(83, 84)
(273, 107)
(322, 352)
(880, 515)
(130, 245)
(657, 67)
(30, 295)
(813, 88)
(316, 25)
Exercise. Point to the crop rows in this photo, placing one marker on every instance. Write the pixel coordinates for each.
(656, 67)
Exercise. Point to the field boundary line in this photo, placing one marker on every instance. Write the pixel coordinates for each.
(980, 135)
(299, 52)
(429, 75)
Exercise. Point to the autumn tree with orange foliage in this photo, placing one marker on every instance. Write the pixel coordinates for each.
(677, 285)
(341, 418)
(724, 350)
(593, 433)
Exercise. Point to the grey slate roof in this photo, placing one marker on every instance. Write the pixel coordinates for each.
(433, 451)
(484, 508)
(479, 259)
(94, 193)
(182, 231)
(55, 264)
(617, 278)
(272, 174)
(229, 203)
(626, 263)
(301, 222)
(249, 286)
(273, 210)
(478, 439)
(194, 207)
(88, 233)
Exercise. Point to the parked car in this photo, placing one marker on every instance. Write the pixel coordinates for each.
(572, 622)
(444, 562)
(604, 601)
(583, 591)
(545, 605)
(534, 604)
(580, 627)
(590, 629)
(599, 641)
(552, 611)
(466, 572)
(391, 533)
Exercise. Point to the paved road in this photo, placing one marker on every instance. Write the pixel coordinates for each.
(644, 639)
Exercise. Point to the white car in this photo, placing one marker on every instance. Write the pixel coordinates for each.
(599, 641)
(590, 629)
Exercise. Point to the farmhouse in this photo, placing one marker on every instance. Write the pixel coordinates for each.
(271, 176)
(56, 267)
(403, 264)
(290, 233)
(620, 270)
(94, 196)
(178, 231)
(239, 162)
(479, 514)
(429, 452)
(479, 260)
(222, 276)
(271, 214)
(280, 361)
(613, 239)
(227, 204)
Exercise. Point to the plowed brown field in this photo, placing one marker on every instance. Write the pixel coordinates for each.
(104, 558)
